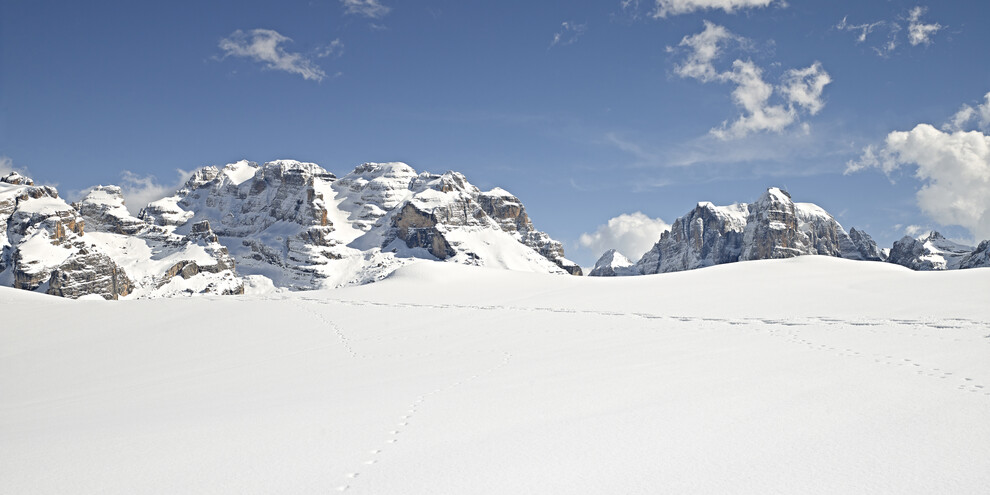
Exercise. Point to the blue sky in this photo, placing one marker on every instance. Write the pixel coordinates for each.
(585, 110)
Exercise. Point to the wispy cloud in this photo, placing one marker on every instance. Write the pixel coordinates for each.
(334, 49)
(568, 34)
(372, 9)
(664, 8)
(7, 166)
(919, 33)
(800, 91)
(264, 46)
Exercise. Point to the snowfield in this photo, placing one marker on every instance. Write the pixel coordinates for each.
(807, 375)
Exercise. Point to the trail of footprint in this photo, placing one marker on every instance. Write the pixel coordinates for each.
(409, 416)
(968, 384)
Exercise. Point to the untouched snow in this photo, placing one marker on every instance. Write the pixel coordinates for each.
(807, 375)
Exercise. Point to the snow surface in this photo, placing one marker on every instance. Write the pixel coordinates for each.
(806, 375)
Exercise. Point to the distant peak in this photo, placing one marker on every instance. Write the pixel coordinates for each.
(17, 179)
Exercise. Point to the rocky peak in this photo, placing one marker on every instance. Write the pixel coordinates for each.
(929, 252)
(772, 228)
(17, 179)
(103, 210)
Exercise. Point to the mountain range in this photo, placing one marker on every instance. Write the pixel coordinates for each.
(774, 226)
(249, 227)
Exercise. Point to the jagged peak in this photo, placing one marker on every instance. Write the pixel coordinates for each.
(775, 195)
(104, 195)
(612, 258)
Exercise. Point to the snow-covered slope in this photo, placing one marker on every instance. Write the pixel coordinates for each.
(852, 378)
(772, 227)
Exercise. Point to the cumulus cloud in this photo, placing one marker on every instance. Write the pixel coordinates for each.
(919, 33)
(569, 33)
(368, 8)
(264, 46)
(140, 190)
(630, 234)
(663, 8)
(953, 167)
(800, 91)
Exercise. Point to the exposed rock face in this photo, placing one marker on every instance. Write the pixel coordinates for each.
(862, 247)
(89, 273)
(38, 232)
(772, 227)
(979, 258)
(929, 252)
(708, 235)
(613, 264)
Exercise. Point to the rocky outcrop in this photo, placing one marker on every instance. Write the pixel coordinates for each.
(929, 252)
(419, 230)
(89, 273)
(978, 258)
(862, 247)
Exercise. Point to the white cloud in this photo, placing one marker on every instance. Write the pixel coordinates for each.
(804, 87)
(663, 8)
(367, 8)
(912, 230)
(918, 32)
(801, 89)
(263, 45)
(630, 234)
(569, 33)
(139, 191)
(968, 114)
(704, 48)
(954, 168)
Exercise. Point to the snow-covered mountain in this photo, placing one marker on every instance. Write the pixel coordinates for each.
(932, 251)
(282, 224)
(772, 227)
(613, 264)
